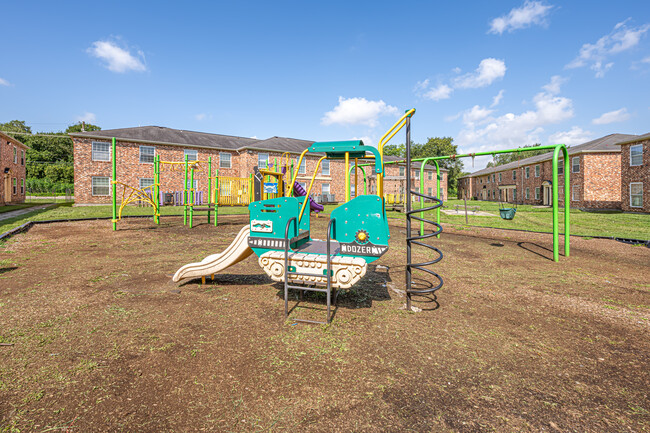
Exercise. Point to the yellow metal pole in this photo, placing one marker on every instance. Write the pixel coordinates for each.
(311, 184)
(295, 175)
(347, 176)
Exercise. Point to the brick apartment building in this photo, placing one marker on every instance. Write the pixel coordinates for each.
(12, 164)
(635, 174)
(595, 177)
(232, 156)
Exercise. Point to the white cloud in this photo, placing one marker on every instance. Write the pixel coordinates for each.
(443, 91)
(203, 116)
(488, 70)
(357, 111)
(366, 140)
(532, 12)
(570, 138)
(622, 38)
(117, 59)
(497, 99)
(615, 116)
(421, 85)
(87, 117)
(4, 82)
(554, 86)
(482, 131)
(646, 60)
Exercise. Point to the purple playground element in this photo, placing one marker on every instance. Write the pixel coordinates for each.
(299, 191)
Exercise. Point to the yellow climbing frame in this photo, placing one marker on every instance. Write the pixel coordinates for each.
(135, 194)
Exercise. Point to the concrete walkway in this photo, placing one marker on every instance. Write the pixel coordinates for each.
(19, 212)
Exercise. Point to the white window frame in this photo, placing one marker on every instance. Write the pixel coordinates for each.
(430, 190)
(573, 193)
(22, 186)
(527, 193)
(22, 157)
(430, 175)
(538, 192)
(402, 171)
(196, 184)
(149, 182)
(187, 152)
(265, 160)
(527, 173)
(95, 153)
(325, 171)
(514, 174)
(538, 170)
(499, 177)
(15, 186)
(303, 167)
(640, 155)
(641, 194)
(304, 185)
(93, 186)
(489, 179)
(325, 187)
(573, 164)
(146, 155)
(15, 155)
(223, 158)
(560, 166)
(514, 193)
(416, 174)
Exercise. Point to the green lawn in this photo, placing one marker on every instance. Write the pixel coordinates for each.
(614, 224)
(605, 223)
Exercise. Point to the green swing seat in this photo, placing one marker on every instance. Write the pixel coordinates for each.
(508, 213)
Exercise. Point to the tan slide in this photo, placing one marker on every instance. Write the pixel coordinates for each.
(237, 251)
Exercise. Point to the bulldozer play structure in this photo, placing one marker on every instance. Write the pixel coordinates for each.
(279, 234)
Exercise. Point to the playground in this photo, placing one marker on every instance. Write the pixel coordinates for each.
(515, 342)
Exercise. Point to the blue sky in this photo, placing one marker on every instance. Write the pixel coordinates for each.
(492, 75)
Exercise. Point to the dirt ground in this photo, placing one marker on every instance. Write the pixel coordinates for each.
(96, 337)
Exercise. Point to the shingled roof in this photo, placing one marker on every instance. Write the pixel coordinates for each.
(176, 137)
(608, 143)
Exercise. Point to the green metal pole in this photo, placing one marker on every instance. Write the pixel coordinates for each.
(437, 192)
(567, 213)
(114, 179)
(216, 196)
(365, 183)
(185, 194)
(251, 196)
(156, 188)
(555, 187)
(191, 197)
(209, 185)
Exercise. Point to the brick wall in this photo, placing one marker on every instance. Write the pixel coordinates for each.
(639, 173)
(594, 186)
(16, 172)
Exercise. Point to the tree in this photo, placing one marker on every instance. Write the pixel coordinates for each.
(15, 126)
(506, 158)
(435, 146)
(77, 127)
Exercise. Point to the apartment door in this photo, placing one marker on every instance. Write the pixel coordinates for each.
(7, 188)
(547, 192)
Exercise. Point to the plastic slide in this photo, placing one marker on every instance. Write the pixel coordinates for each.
(237, 251)
(299, 191)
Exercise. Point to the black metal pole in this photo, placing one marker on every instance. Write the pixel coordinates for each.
(408, 215)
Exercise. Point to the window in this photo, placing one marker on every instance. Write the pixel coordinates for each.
(575, 164)
(22, 186)
(15, 155)
(146, 182)
(22, 157)
(416, 173)
(325, 188)
(401, 171)
(537, 170)
(514, 174)
(494, 177)
(101, 151)
(353, 190)
(224, 160)
(514, 194)
(303, 167)
(146, 154)
(100, 186)
(430, 175)
(560, 166)
(527, 172)
(488, 179)
(429, 191)
(636, 194)
(527, 193)
(15, 191)
(499, 177)
(192, 155)
(325, 170)
(537, 192)
(636, 154)
(574, 194)
(303, 185)
(262, 160)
